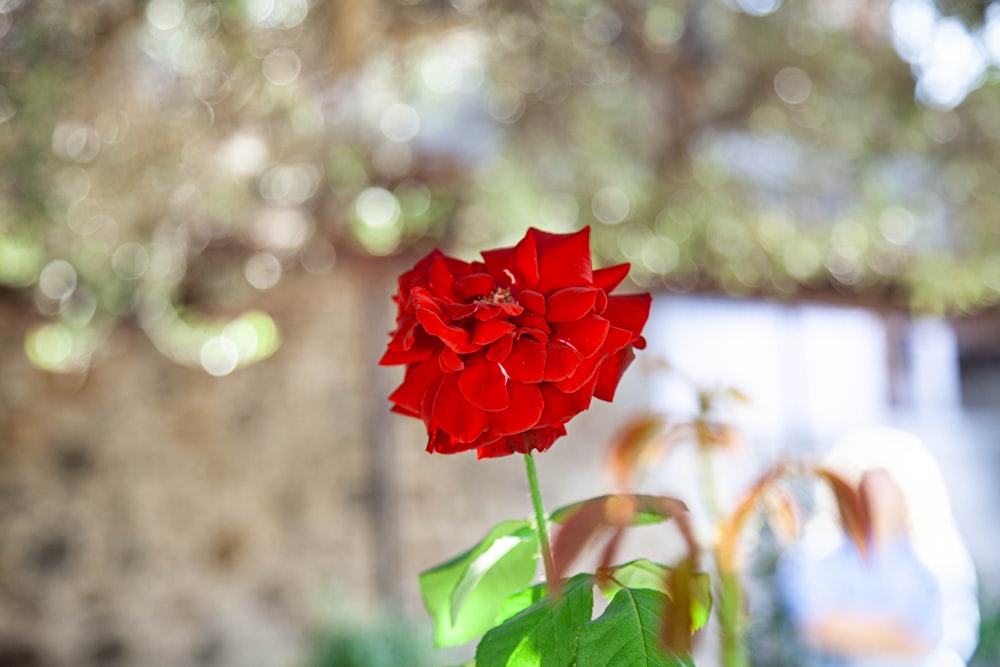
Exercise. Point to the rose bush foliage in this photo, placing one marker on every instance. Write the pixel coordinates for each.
(501, 354)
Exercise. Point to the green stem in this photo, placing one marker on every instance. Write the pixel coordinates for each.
(540, 519)
(711, 490)
(731, 621)
(729, 607)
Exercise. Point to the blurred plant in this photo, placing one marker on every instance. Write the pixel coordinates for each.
(988, 650)
(378, 643)
(656, 609)
(647, 439)
(164, 159)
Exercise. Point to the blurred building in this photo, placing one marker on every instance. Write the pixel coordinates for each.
(815, 372)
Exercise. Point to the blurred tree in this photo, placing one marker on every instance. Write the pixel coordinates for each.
(165, 157)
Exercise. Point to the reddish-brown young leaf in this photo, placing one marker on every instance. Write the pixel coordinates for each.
(586, 520)
(641, 443)
(713, 435)
(727, 547)
(628, 445)
(605, 568)
(677, 616)
(853, 512)
(675, 509)
(784, 514)
(576, 533)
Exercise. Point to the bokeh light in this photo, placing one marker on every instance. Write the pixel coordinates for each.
(259, 138)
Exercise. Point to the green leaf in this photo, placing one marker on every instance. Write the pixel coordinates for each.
(520, 601)
(701, 600)
(642, 573)
(544, 634)
(481, 566)
(627, 633)
(465, 595)
(690, 598)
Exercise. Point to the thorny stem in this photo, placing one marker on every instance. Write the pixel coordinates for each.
(540, 519)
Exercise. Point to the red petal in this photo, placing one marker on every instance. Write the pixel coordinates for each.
(561, 360)
(402, 337)
(611, 373)
(450, 362)
(399, 410)
(616, 340)
(528, 322)
(417, 275)
(525, 409)
(539, 439)
(457, 267)
(491, 330)
(563, 259)
(417, 382)
(537, 334)
(533, 302)
(454, 414)
(526, 362)
(393, 358)
(584, 374)
(586, 335)
(629, 311)
(601, 303)
(588, 368)
(561, 406)
(484, 385)
(495, 449)
(544, 437)
(440, 279)
(459, 311)
(430, 316)
(524, 263)
(443, 443)
(496, 261)
(499, 350)
(474, 284)
(486, 311)
(570, 303)
(611, 277)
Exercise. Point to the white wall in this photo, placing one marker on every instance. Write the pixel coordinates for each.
(815, 373)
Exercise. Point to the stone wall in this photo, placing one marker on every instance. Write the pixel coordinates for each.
(153, 515)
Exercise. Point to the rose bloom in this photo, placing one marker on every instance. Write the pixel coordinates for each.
(500, 354)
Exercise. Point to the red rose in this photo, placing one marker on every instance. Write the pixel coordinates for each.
(500, 354)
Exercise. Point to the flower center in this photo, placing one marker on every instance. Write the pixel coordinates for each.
(498, 296)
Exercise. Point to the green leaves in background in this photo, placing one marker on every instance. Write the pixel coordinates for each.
(465, 596)
(544, 634)
(627, 634)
